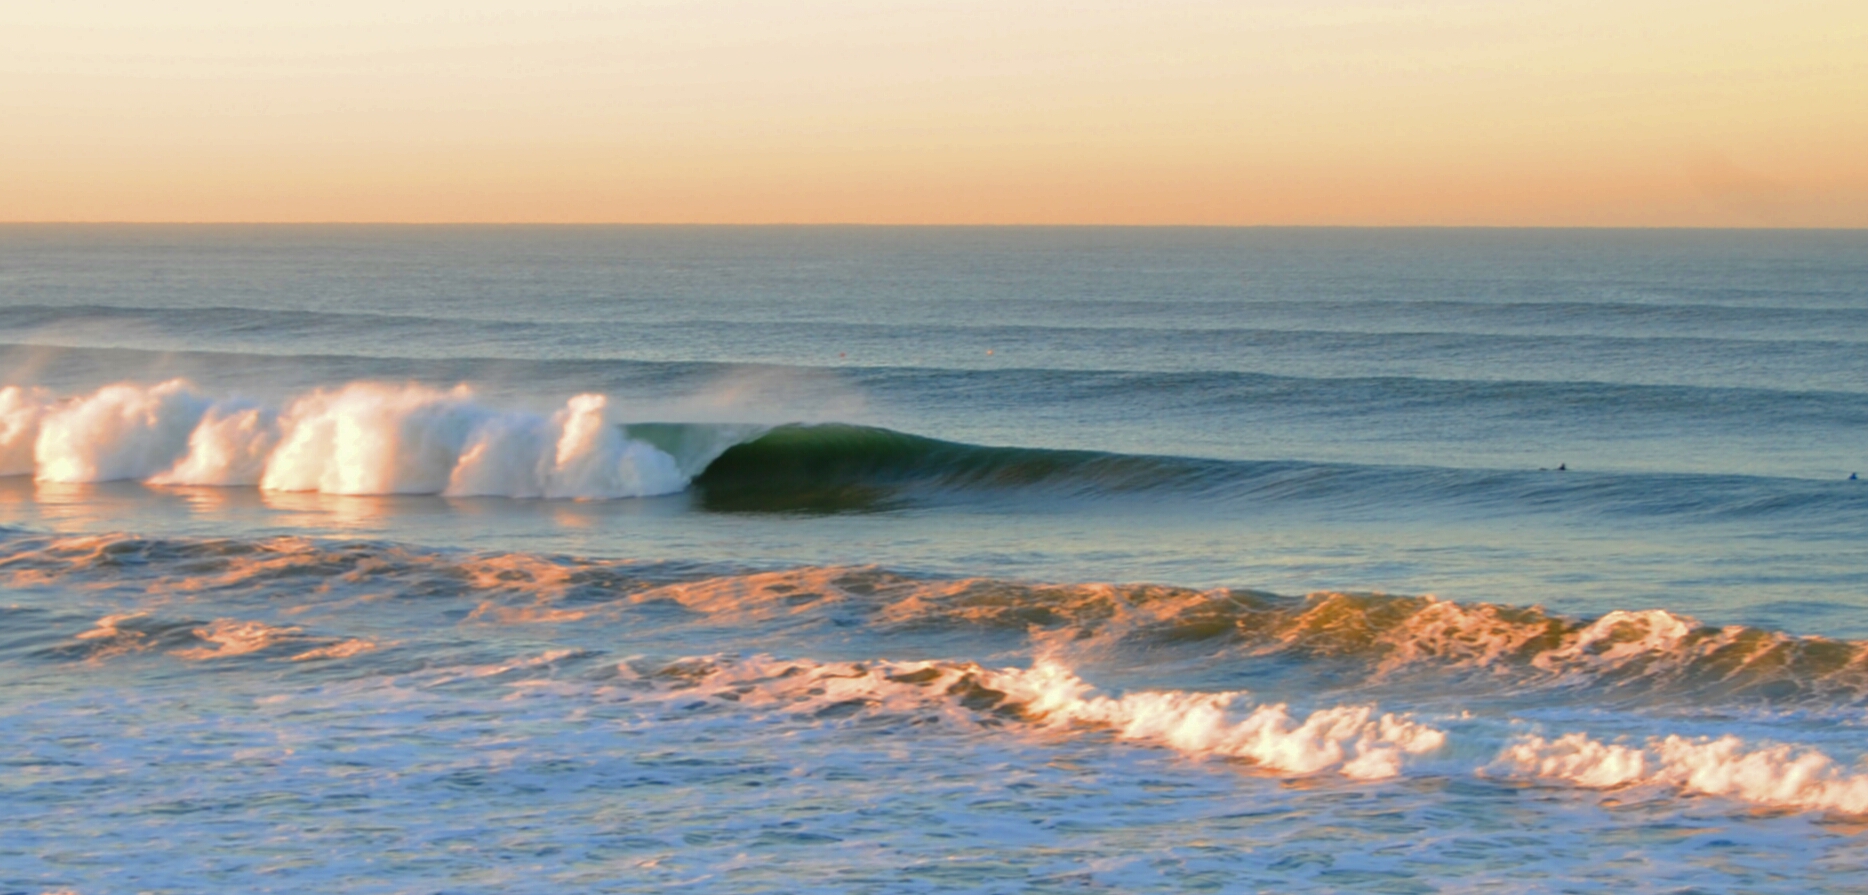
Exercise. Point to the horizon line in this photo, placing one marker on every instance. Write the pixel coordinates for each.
(925, 226)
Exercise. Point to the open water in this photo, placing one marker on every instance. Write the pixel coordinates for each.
(612, 559)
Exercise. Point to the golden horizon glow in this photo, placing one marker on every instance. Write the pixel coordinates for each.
(1331, 112)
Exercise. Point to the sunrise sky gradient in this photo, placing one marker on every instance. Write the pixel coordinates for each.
(1416, 112)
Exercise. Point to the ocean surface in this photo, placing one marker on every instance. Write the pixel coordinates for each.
(646, 559)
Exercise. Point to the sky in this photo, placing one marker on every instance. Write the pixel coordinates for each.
(1703, 113)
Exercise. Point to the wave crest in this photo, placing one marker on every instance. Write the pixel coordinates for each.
(1781, 776)
(1351, 740)
(362, 438)
(1338, 639)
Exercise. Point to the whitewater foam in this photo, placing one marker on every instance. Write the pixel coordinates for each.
(1350, 740)
(20, 411)
(226, 637)
(229, 446)
(361, 438)
(1781, 776)
(121, 431)
(1640, 657)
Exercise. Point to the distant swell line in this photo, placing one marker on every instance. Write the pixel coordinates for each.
(1827, 405)
(1825, 328)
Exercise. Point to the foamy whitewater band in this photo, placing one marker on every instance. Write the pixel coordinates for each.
(1352, 738)
(1623, 657)
(363, 438)
(1356, 741)
(1349, 740)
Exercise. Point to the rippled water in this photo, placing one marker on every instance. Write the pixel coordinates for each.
(627, 559)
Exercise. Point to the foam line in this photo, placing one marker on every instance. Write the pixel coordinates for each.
(1779, 776)
(1350, 740)
(362, 438)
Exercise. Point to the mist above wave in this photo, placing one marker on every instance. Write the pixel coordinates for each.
(360, 438)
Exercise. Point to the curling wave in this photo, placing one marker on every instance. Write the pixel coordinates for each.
(839, 467)
(378, 438)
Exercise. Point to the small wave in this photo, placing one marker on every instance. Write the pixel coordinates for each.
(1354, 643)
(1351, 740)
(127, 633)
(226, 637)
(1347, 640)
(1779, 776)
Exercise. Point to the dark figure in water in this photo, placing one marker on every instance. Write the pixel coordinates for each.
(1563, 467)
(1852, 477)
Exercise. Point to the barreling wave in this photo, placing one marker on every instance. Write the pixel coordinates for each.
(380, 438)
(837, 466)
(830, 467)
(1416, 644)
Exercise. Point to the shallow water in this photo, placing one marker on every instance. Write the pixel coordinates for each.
(927, 560)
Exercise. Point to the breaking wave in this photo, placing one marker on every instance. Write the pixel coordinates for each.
(832, 467)
(362, 438)
(1778, 776)
(1481, 657)
(1353, 740)
(378, 438)
(1351, 640)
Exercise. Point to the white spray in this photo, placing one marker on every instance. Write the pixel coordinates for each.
(362, 438)
(20, 410)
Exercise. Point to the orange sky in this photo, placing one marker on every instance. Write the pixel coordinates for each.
(1568, 112)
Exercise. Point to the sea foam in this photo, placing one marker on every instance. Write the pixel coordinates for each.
(1350, 740)
(361, 438)
(1778, 776)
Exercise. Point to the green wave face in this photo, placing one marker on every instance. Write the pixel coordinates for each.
(840, 468)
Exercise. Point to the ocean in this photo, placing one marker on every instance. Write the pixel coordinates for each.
(843, 559)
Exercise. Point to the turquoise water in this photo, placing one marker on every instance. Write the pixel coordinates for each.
(751, 559)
